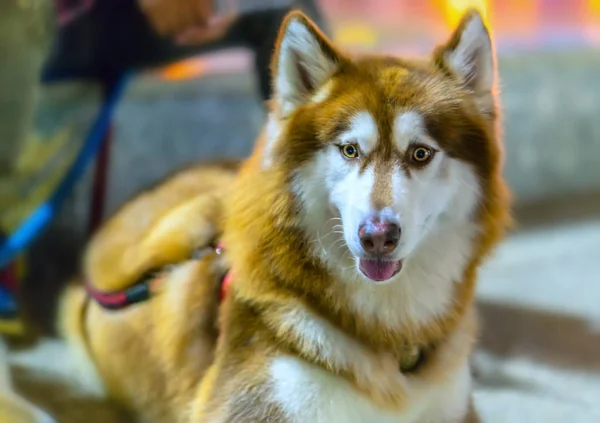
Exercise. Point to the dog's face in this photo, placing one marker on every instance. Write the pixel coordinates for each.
(382, 151)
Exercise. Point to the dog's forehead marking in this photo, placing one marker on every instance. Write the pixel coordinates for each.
(362, 129)
(382, 194)
(408, 126)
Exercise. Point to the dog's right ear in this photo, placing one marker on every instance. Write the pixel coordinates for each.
(304, 59)
(469, 56)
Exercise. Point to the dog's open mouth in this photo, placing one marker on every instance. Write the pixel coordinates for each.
(380, 270)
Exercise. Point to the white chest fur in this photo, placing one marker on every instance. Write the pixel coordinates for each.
(308, 393)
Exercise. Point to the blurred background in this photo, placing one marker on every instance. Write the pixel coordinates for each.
(539, 296)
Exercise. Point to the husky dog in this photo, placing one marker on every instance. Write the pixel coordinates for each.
(352, 235)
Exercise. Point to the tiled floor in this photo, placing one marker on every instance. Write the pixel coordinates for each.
(539, 358)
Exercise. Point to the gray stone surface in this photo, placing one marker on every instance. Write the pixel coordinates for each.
(552, 131)
(159, 129)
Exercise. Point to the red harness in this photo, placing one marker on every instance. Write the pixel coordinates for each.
(144, 289)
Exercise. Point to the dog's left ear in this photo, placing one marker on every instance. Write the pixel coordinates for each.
(304, 59)
(469, 56)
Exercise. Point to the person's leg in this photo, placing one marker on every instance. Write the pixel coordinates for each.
(24, 29)
(259, 31)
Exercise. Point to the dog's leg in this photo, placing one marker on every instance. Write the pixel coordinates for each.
(172, 238)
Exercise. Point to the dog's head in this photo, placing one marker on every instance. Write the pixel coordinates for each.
(382, 152)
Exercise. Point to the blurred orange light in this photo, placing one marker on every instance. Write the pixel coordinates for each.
(454, 9)
(186, 69)
(592, 27)
(356, 34)
(594, 8)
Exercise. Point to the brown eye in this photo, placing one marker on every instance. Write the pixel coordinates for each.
(350, 151)
(422, 155)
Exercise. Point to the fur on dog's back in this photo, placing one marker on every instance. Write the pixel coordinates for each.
(150, 356)
(128, 244)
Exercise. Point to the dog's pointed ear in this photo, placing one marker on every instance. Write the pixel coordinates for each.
(304, 59)
(469, 56)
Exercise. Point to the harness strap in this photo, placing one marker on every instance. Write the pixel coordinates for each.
(115, 300)
(143, 290)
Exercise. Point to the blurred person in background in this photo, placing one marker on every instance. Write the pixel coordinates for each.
(60, 56)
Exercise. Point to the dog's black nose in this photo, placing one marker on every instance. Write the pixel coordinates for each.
(379, 237)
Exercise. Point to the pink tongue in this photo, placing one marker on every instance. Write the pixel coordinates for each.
(379, 270)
